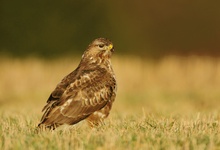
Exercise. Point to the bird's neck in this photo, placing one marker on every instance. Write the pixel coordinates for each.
(96, 61)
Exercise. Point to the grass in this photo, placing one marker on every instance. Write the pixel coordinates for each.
(172, 103)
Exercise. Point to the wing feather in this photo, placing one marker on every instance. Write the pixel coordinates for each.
(76, 97)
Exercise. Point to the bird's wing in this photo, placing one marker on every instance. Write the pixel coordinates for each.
(61, 87)
(55, 96)
(89, 92)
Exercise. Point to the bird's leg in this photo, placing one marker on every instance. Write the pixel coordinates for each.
(94, 120)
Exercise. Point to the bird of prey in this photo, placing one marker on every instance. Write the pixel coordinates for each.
(86, 93)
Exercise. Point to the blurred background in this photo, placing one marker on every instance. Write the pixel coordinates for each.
(166, 59)
(142, 28)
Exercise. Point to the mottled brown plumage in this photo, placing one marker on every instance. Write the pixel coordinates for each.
(86, 93)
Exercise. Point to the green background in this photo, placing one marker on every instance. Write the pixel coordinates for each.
(143, 28)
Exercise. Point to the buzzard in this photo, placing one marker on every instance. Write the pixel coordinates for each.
(86, 93)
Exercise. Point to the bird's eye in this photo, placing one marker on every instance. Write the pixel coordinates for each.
(101, 46)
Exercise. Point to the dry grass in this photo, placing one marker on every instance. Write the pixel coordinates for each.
(172, 103)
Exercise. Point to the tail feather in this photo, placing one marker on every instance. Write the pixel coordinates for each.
(43, 126)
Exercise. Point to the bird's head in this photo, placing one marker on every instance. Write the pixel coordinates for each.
(100, 48)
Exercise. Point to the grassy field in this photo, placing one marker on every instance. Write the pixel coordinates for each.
(172, 103)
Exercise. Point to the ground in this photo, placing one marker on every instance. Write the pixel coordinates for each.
(171, 103)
